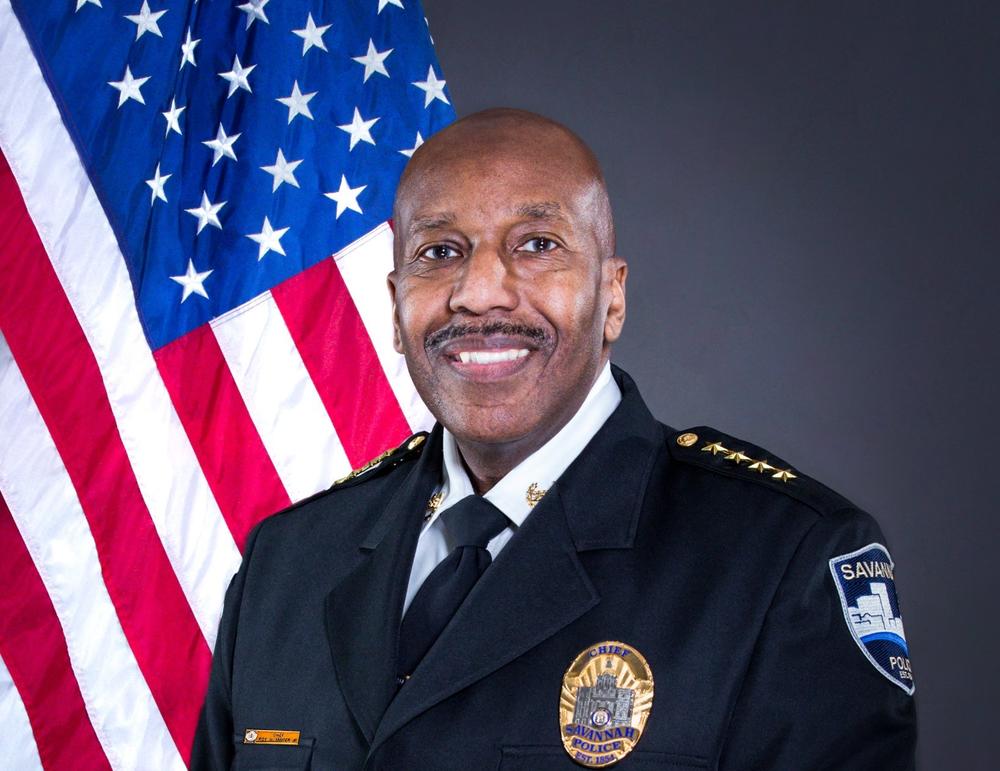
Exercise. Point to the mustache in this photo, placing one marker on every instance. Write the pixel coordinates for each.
(506, 328)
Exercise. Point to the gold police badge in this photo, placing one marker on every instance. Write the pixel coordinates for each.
(607, 694)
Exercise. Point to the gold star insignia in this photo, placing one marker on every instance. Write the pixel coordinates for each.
(761, 466)
(784, 475)
(715, 448)
(738, 457)
(534, 494)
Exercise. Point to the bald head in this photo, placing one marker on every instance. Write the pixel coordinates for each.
(480, 142)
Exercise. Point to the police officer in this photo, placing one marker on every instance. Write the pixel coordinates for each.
(551, 578)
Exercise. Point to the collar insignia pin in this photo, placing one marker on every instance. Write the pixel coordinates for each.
(607, 694)
(433, 504)
(534, 494)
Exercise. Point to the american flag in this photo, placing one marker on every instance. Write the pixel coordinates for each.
(194, 329)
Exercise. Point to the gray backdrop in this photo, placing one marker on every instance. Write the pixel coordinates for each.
(808, 199)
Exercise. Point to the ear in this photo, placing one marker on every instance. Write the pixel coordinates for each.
(615, 273)
(397, 342)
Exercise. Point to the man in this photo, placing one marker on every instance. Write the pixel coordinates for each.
(552, 579)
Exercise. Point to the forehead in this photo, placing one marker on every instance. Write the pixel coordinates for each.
(498, 183)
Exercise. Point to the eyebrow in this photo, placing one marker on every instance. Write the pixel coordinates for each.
(432, 222)
(540, 210)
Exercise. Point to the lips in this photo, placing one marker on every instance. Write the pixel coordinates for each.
(487, 358)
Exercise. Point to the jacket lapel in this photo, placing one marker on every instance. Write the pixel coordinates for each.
(506, 614)
(364, 608)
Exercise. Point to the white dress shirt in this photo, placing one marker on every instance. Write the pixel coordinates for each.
(542, 468)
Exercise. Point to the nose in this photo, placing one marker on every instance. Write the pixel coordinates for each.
(484, 283)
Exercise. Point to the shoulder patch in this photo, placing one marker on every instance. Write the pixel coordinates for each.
(706, 447)
(387, 460)
(867, 588)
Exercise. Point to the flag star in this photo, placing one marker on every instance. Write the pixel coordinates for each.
(172, 116)
(419, 141)
(282, 171)
(373, 61)
(312, 35)
(254, 9)
(346, 197)
(146, 21)
(383, 3)
(297, 102)
(81, 3)
(222, 145)
(269, 239)
(237, 77)
(359, 129)
(128, 87)
(207, 213)
(187, 50)
(193, 281)
(432, 88)
(156, 185)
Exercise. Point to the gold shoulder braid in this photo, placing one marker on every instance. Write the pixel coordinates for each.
(411, 444)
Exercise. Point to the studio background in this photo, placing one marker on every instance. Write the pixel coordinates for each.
(808, 200)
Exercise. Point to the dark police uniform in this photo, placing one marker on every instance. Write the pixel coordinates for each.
(729, 571)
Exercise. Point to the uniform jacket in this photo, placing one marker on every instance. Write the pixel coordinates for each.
(718, 575)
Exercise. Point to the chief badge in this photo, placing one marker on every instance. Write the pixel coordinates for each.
(607, 694)
(867, 587)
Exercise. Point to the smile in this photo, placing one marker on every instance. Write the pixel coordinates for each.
(492, 357)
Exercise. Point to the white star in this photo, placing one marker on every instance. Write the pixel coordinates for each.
(128, 87)
(383, 3)
(237, 77)
(156, 185)
(207, 213)
(222, 145)
(346, 197)
(373, 61)
(432, 88)
(172, 116)
(187, 50)
(145, 21)
(269, 239)
(254, 9)
(192, 281)
(360, 130)
(297, 102)
(81, 3)
(282, 171)
(312, 35)
(419, 141)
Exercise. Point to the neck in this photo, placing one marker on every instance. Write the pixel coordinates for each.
(487, 463)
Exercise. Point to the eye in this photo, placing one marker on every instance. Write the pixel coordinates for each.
(539, 244)
(439, 252)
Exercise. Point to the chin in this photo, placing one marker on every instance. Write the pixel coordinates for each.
(488, 425)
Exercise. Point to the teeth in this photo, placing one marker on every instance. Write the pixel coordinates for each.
(491, 357)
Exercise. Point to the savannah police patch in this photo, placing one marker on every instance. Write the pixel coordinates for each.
(867, 589)
(606, 696)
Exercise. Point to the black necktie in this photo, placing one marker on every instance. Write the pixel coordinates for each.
(470, 523)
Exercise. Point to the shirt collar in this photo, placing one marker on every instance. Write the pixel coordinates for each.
(543, 467)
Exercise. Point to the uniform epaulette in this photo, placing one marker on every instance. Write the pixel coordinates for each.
(384, 462)
(709, 448)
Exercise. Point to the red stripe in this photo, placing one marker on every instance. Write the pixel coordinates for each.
(34, 649)
(238, 469)
(341, 360)
(60, 370)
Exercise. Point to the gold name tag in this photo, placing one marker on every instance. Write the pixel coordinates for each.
(262, 736)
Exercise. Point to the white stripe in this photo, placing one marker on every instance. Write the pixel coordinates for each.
(364, 264)
(86, 258)
(55, 530)
(281, 398)
(19, 748)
